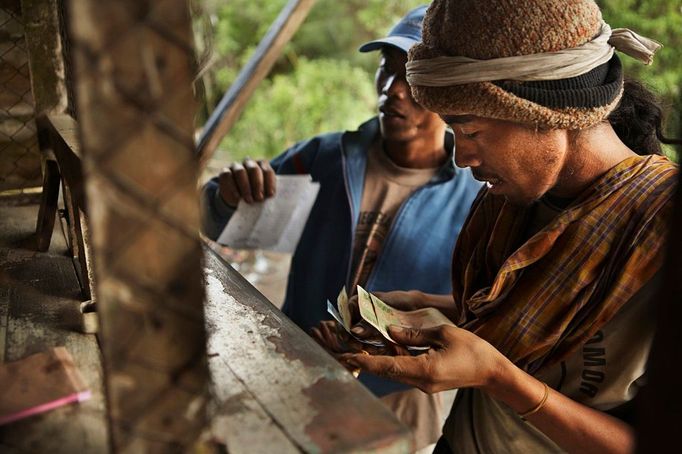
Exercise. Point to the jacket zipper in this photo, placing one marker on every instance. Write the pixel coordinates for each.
(399, 213)
(390, 229)
(389, 233)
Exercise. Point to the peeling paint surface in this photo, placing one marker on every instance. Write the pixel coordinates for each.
(269, 374)
(243, 341)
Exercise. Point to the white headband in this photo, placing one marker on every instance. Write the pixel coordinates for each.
(562, 64)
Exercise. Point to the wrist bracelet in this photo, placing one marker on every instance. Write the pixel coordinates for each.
(540, 404)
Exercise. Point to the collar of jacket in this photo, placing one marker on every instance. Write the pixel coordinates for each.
(356, 143)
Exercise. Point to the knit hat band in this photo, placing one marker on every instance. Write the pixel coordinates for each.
(562, 64)
(599, 87)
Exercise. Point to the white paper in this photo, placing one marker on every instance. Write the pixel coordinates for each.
(277, 223)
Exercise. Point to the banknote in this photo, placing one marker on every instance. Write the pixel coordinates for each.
(344, 310)
(380, 315)
(339, 319)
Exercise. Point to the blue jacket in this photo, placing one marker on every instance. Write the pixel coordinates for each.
(416, 254)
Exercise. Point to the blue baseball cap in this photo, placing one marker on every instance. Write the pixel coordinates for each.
(403, 35)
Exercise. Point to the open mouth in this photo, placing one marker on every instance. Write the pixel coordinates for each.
(489, 180)
(391, 112)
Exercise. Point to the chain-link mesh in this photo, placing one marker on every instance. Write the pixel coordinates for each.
(19, 153)
(136, 106)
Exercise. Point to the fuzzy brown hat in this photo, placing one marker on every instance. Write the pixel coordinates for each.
(503, 28)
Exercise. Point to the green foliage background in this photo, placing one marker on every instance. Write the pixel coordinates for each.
(321, 83)
(660, 20)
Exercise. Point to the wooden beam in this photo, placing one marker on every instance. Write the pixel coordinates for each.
(45, 59)
(134, 64)
(233, 102)
(48, 85)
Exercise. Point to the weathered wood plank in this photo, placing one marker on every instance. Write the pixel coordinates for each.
(316, 403)
(40, 298)
(241, 422)
(65, 129)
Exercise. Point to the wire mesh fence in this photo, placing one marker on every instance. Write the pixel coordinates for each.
(19, 153)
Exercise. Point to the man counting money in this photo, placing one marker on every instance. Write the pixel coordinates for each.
(553, 270)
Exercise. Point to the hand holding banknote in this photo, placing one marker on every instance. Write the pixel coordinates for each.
(401, 300)
(349, 332)
(455, 358)
(338, 336)
(337, 341)
(379, 315)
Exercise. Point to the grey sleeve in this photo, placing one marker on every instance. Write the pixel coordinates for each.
(214, 211)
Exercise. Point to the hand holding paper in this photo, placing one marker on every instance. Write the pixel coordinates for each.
(277, 223)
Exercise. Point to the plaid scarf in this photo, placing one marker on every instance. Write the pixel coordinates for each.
(538, 301)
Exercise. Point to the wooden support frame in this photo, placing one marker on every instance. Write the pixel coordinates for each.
(60, 146)
(48, 86)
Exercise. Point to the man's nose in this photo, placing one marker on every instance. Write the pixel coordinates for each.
(466, 155)
(395, 85)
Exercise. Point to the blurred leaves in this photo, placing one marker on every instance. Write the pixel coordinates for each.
(318, 96)
(321, 83)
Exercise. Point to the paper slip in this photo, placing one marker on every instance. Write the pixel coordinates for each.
(277, 223)
(380, 315)
(39, 383)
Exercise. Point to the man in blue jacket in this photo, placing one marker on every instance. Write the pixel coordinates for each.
(390, 207)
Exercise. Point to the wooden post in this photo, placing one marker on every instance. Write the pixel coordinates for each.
(45, 62)
(46, 67)
(134, 65)
(266, 54)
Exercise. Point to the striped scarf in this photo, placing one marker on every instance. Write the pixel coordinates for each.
(538, 301)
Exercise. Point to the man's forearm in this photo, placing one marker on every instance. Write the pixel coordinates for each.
(571, 425)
